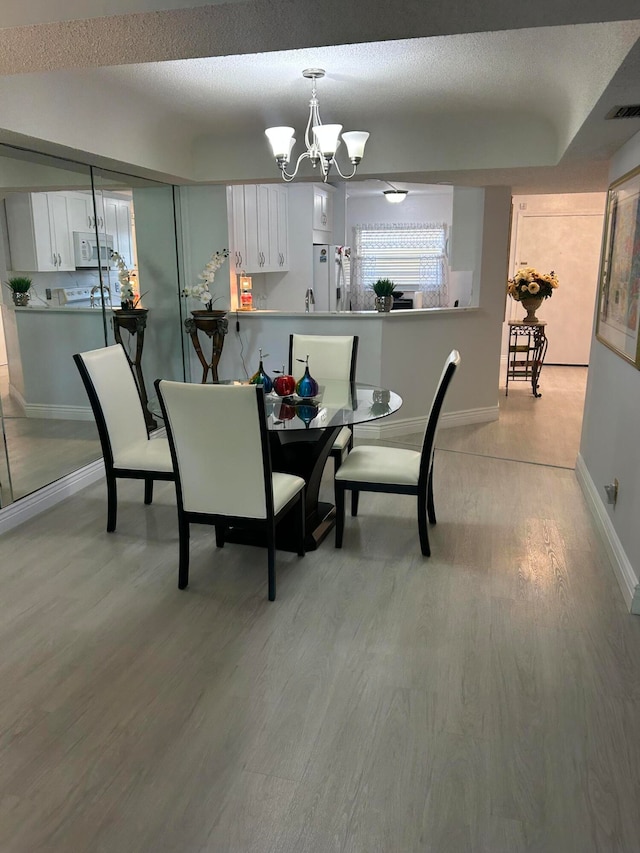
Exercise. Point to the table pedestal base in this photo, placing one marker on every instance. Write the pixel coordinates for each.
(304, 453)
(318, 526)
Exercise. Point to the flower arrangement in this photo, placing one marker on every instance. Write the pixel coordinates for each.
(129, 296)
(202, 290)
(528, 283)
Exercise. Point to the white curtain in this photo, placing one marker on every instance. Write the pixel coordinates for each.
(413, 255)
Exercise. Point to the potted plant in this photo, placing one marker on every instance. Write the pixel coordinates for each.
(19, 287)
(129, 295)
(212, 322)
(383, 289)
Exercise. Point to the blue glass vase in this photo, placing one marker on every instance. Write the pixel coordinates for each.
(306, 386)
(261, 378)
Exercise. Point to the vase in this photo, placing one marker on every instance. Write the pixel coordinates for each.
(20, 299)
(260, 377)
(383, 303)
(531, 305)
(306, 386)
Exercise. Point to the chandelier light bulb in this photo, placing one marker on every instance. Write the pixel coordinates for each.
(281, 141)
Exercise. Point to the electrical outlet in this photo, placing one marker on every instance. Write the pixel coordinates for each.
(612, 492)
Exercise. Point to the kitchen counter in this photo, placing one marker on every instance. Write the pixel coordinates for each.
(398, 313)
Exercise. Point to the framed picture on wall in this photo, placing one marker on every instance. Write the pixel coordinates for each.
(619, 286)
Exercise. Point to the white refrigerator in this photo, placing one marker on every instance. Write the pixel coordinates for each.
(331, 277)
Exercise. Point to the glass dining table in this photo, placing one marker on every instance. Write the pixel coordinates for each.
(302, 432)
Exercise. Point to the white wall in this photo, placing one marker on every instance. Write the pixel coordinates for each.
(609, 447)
(417, 207)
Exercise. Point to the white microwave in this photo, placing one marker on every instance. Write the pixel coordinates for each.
(89, 253)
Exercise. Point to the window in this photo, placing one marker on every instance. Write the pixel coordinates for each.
(412, 255)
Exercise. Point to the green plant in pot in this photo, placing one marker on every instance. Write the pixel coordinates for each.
(383, 289)
(19, 287)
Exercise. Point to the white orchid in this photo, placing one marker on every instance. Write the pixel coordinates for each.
(129, 296)
(201, 291)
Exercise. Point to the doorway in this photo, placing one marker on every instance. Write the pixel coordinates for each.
(561, 233)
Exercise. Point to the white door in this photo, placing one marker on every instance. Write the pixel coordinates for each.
(569, 244)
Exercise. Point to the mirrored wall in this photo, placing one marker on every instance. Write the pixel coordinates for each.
(61, 224)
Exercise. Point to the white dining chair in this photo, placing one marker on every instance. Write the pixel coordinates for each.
(396, 470)
(127, 450)
(220, 450)
(330, 357)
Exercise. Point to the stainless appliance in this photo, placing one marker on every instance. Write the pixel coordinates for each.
(91, 253)
(331, 277)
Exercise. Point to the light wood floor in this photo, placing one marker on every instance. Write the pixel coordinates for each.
(40, 450)
(486, 699)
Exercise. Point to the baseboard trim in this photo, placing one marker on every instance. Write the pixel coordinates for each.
(26, 508)
(64, 413)
(622, 568)
(408, 426)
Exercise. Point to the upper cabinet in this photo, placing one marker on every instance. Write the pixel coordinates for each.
(81, 215)
(115, 219)
(41, 227)
(322, 209)
(40, 239)
(259, 226)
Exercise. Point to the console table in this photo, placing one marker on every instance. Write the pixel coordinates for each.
(526, 352)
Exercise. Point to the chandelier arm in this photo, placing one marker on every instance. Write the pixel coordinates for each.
(338, 170)
(289, 176)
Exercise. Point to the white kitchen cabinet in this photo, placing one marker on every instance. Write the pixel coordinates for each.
(259, 228)
(115, 220)
(238, 248)
(322, 209)
(40, 239)
(279, 214)
(81, 213)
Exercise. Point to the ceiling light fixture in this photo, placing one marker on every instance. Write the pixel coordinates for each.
(394, 195)
(322, 140)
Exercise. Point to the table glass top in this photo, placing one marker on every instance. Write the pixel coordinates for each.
(337, 404)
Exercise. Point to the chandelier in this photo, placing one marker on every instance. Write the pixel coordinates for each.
(322, 140)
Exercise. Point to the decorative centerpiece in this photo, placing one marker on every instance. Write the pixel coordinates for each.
(531, 288)
(261, 378)
(306, 386)
(284, 384)
(211, 322)
(20, 287)
(383, 289)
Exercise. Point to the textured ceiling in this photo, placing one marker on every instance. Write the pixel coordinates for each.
(481, 93)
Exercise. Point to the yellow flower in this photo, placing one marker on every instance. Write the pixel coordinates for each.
(534, 287)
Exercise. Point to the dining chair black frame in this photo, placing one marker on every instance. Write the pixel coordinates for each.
(423, 489)
(135, 424)
(222, 521)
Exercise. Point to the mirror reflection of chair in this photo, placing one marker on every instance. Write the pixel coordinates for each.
(127, 450)
(330, 357)
(395, 470)
(220, 450)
